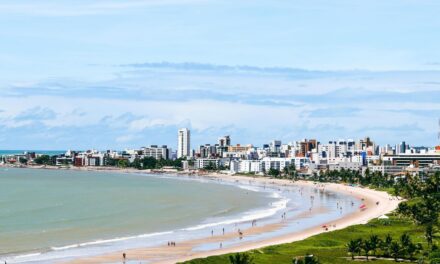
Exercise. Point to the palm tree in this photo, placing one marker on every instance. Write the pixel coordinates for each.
(374, 242)
(359, 245)
(386, 245)
(241, 258)
(367, 247)
(395, 250)
(411, 250)
(405, 242)
(353, 247)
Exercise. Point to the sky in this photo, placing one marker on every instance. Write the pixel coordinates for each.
(123, 74)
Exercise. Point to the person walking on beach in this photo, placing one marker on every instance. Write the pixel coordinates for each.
(223, 231)
(124, 256)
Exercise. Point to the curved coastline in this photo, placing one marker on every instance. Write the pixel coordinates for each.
(225, 218)
(186, 250)
(190, 248)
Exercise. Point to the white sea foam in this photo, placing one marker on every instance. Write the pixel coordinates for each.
(249, 188)
(248, 216)
(27, 255)
(112, 240)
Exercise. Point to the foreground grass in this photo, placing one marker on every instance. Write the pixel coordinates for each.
(329, 247)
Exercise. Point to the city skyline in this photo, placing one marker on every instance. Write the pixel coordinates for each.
(147, 68)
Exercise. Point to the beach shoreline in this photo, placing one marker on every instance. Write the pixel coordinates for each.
(184, 252)
(377, 203)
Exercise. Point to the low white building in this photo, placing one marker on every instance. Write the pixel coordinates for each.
(388, 169)
(268, 163)
(346, 165)
(203, 163)
(157, 152)
(250, 166)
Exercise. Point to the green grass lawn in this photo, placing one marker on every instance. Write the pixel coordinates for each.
(330, 247)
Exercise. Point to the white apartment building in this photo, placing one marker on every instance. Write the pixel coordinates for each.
(203, 163)
(183, 143)
(346, 165)
(249, 166)
(300, 162)
(268, 163)
(388, 169)
(162, 152)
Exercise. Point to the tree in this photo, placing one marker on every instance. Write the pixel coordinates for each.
(411, 250)
(122, 163)
(386, 245)
(405, 242)
(395, 250)
(274, 172)
(367, 247)
(211, 166)
(374, 242)
(43, 159)
(241, 258)
(353, 247)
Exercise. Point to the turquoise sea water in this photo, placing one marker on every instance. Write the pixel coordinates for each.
(45, 152)
(41, 210)
(51, 216)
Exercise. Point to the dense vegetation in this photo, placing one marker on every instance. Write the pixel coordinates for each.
(43, 160)
(410, 234)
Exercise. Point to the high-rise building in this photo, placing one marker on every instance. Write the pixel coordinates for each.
(401, 148)
(224, 141)
(275, 146)
(183, 143)
(305, 146)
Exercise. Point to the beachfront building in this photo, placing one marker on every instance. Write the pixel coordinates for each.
(250, 166)
(279, 164)
(183, 143)
(157, 152)
(204, 163)
(89, 158)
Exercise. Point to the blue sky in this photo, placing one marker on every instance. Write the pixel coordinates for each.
(116, 74)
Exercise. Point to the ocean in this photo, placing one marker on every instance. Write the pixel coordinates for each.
(44, 152)
(49, 210)
(48, 216)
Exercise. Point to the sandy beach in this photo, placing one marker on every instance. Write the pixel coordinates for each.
(376, 204)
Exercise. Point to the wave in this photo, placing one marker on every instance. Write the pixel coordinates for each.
(27, 255)
(105, 241)
(249, 216)
(249, 188)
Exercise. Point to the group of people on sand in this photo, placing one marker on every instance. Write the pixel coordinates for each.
(171, 243)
